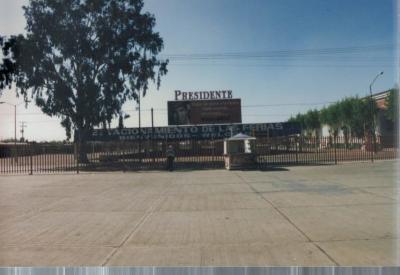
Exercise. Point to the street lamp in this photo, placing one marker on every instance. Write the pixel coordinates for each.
(372, 83)
(372, 109)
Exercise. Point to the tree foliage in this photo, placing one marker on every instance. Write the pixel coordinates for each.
(331, 116)
(392, 105)
(81, 60)
(312, 121)
(299, 118)
(352, 115)
(309, 122)
(8, 64)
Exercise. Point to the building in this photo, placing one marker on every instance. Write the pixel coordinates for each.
(383, 127)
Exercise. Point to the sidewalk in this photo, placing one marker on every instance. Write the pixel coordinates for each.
(325, 215)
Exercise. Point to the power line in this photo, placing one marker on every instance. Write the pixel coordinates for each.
(260, 105)
(327, 66)
(23, 114)
(288, 104)
(281, 53)
(33, 121)
(243, 106)
(348, 57)
(357, 57)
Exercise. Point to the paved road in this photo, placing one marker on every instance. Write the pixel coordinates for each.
(324, 215)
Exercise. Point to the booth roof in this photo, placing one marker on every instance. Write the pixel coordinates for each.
(241, 136)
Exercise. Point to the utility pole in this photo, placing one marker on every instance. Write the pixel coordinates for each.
(372, 116)
(15, 119)
(23, 126)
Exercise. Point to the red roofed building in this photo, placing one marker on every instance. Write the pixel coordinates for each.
(384, 127)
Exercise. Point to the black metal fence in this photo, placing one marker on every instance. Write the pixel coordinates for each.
(151, 155)
(190, 154)
(37, 158)
(326, 150)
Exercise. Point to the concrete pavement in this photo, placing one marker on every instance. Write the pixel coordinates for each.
(313, 216)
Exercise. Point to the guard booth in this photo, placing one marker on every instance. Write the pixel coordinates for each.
(239, 152)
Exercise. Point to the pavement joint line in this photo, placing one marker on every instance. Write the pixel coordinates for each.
(57, 245)
(267, 244)
(34, 213)
(378, 187)
(44, 209)
(378, 195)
(363, 239)
(299, 190)
(339, 205)
(147, 214)
(291, 222)
(210, 210)
(213, 245)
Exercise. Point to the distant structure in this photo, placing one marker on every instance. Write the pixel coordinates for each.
(384, 127)
(23, 126)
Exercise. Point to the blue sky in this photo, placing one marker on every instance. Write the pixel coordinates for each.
(262, 26)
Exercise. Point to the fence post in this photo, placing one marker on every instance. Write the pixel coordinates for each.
(31, 159)
(213, 153)
(369, 146)
(335, 145)
(153, 151)
(296, 140)
(374, 146)
(77, 147)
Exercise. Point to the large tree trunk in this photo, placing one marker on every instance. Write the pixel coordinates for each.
(82, 153)
(81, 143)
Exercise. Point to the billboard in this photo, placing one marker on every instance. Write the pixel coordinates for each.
(189, 112)
(211, 131)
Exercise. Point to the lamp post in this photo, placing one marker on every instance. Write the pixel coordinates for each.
(15, 118)
(373, 81)
(372, 109)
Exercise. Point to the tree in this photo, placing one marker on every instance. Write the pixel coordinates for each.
(355, 120)
(8, 65)
(299, 118)
(352, 115)
(82, 60)
(392, 106)
(331, 116)
(346, 116)
(309, 122)
(369, 112)
(120, 122)
(312, 122)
